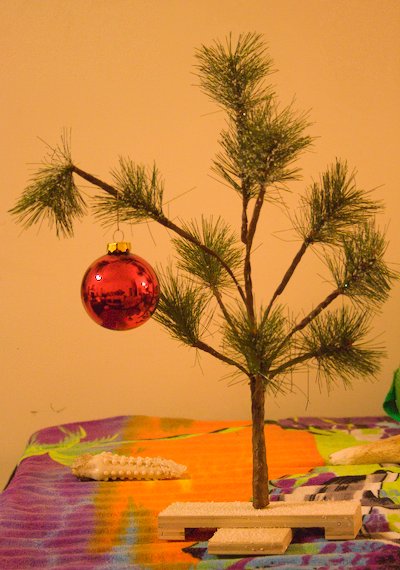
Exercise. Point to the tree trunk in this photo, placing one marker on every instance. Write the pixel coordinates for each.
(260, 468)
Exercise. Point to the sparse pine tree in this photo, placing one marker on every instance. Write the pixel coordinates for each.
(259, 149)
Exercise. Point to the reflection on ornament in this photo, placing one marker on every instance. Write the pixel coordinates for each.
(120, 290)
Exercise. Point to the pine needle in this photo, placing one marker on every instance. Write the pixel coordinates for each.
(256, 347)
(139, 195)
(52, 195)
(232, 73)
(217, 236)
(181, 307)
(359, 268)
(261, 148)
(337, 342)
(333, 206)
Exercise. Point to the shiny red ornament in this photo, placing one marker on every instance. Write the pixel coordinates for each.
(120, 290)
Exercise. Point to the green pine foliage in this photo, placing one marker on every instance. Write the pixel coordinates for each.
(256, 347)
(233, 74)
(336, 339)
(260, 147)
(359, 267)
(181, 307)
(52, 194)
(261, 141)
(139, 195)
(208, 303)
(332, 206)
(193, 260)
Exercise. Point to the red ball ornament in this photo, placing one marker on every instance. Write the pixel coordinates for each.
(120, 290)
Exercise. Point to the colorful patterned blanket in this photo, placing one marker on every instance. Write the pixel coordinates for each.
(50, 519)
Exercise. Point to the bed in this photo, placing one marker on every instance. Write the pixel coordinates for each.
(51, 519)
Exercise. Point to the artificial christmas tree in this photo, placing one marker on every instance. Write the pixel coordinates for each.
(213, 278)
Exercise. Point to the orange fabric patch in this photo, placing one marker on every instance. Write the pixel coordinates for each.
(219, 469)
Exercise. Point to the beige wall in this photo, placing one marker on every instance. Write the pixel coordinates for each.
(119, 75)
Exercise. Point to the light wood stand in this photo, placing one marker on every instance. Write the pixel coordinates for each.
(239, 541)
(341, 520)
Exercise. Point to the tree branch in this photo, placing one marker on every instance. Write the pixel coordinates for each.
(256, 215)
(245, 203)
(224, 311)
(314, 313)
(164, 221)
(290, 363)
(286, 278)
(95, 181)
(210, 350)
(251, 230)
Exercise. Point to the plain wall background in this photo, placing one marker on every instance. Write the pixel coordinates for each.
(120, 75)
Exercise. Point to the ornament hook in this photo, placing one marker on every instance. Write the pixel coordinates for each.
(118, 229)
(120, 233)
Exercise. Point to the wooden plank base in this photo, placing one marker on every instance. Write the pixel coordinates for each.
(340, 519)
(242, 541)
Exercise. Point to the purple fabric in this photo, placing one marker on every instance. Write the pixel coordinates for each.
(48, 519)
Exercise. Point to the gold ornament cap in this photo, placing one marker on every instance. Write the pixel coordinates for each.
(118, 247)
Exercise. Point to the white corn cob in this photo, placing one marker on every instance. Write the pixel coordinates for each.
(105, 466)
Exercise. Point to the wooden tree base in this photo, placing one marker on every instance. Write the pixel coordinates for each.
(341, 520)
(239, 541)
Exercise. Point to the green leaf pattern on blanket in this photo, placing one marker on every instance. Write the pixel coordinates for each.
(394, 523)
(329, 441)
(71, 446)
(68, 448)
